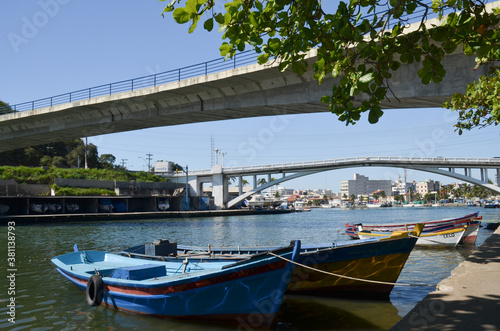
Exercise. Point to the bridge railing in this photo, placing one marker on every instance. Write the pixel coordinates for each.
(196, 70)
(450, 161)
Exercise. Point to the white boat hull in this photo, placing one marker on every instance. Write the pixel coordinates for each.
(449, 238)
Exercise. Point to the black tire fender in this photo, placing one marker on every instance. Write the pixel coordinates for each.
(95, 289)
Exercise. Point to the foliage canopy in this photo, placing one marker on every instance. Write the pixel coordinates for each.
(361, 43)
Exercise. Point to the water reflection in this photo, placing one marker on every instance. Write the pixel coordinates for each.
(313, 313)
(47, 301)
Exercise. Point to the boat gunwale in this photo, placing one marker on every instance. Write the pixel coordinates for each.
(206, 276)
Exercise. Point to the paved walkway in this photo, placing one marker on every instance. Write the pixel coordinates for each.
(468, 300)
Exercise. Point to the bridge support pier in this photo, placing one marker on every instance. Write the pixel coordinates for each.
(219, 187)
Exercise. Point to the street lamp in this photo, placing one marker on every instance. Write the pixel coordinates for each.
(148, 162)
(144, 161)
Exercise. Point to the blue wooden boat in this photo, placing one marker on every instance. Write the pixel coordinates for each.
(248, 292)
(367, 268)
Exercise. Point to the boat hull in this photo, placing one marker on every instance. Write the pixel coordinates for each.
(223, 301)
(380, 261)
(470, 221)
(248, 294)
(447, 238)
(372, 259)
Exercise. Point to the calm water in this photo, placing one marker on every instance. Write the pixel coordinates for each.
(47, 301)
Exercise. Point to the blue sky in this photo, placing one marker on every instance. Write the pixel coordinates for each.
(50, 47)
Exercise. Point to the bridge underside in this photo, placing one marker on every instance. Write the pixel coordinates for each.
(250, 91)
(483, 182)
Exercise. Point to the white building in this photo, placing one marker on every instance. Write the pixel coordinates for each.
(361, 185)
(427, 186)
(400, 187)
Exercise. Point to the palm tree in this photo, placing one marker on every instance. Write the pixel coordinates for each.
(410, 193)
(467, 190)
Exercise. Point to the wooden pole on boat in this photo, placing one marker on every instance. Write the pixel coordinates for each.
(187, 188)
(86, 152)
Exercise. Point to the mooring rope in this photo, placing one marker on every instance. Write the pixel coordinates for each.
(347, 277)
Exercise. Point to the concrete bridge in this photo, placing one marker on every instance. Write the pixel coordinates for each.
(471, 170)
(208, 94)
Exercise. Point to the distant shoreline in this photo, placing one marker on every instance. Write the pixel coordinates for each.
(90, 217)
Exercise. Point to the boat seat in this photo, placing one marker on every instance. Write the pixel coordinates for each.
(140, 272)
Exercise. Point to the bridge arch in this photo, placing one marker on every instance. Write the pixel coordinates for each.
(370, 161)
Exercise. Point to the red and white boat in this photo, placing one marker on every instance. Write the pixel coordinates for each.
(470, 222)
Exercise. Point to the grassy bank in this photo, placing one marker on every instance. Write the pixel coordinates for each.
(27, 175)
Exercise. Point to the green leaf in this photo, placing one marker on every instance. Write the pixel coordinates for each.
(193, 26)
(219, 18)
(439, 34)
(395, 65)
(209, 24)
(252, 17)
(366, 78)
(404, 57)
(273, 44)
(299, 67)
(410, 7)
(181, 16)
(233, 7)
(262, 58)
(224, 49)
(227, 19)
(396, 30)
(425, 44)
(374, 114)
(449, 47)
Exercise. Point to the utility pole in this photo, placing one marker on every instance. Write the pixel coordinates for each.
(223, 153)
(149, 161)
(212, 148)
(123, 163)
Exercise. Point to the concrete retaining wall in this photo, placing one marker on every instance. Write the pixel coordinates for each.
(85, 183)
(12, 188)
(8, 188)
(123, 188)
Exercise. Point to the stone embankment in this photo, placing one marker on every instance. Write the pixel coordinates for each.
(467, 300)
